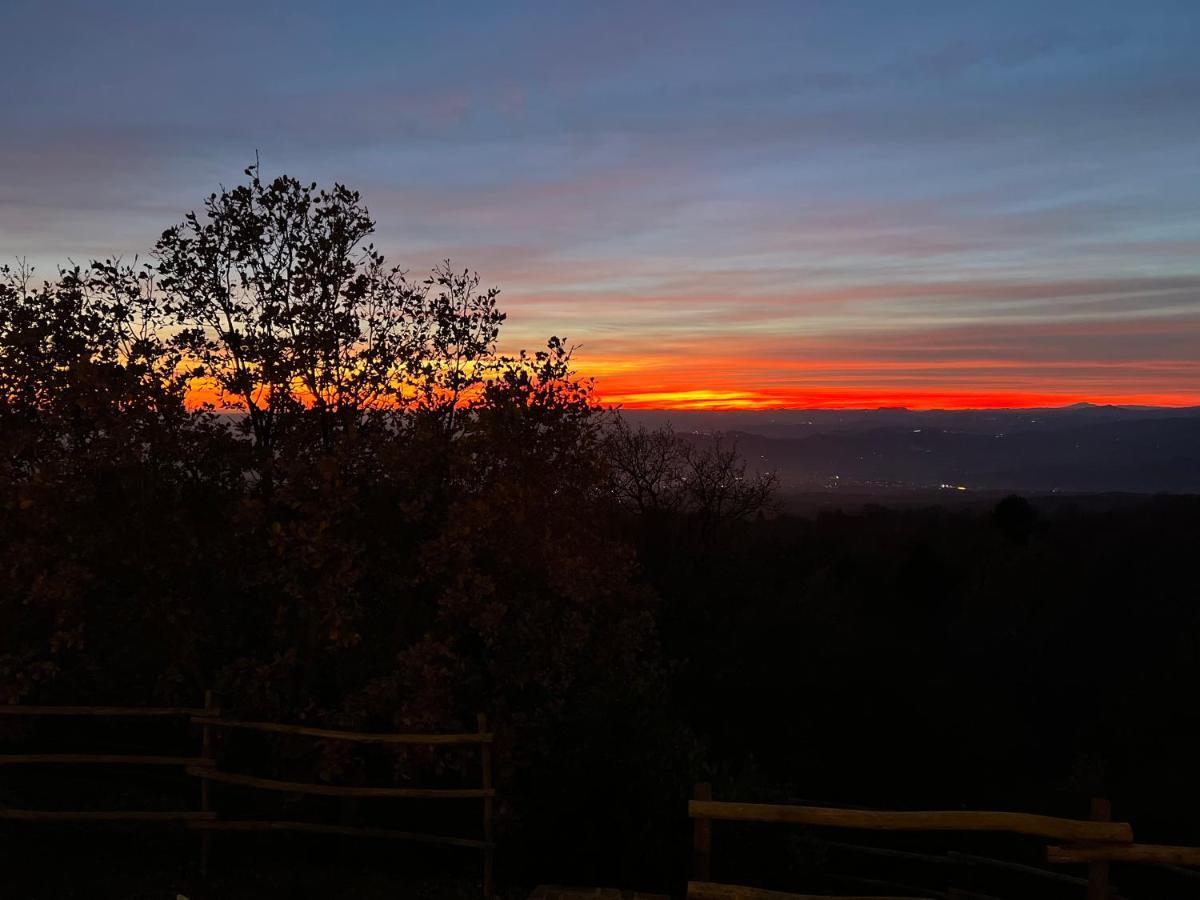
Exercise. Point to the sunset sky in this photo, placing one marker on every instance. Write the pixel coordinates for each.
(724, 204)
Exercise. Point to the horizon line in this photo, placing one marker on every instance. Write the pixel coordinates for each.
(892, 408)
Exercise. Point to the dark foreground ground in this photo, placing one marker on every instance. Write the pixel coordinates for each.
(157, 863)
(142, 864)
(1018, 655)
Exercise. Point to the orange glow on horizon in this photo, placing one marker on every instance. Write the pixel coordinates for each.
(868, 384)
(699, 399)
(734, 384)
(684, 398)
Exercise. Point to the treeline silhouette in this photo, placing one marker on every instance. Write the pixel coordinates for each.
(269, 463)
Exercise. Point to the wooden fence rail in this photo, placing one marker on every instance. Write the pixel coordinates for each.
(335, 790)
(205, 768)
(1096, 841)
(1129, 853)
(103, 815)
(108, 712)
(101, 759)
(1015, 823)
(361, 737)
(104, 759)
(482, 739)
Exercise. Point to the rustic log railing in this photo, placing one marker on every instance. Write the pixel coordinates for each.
(470, 738)
(204, 768)
(109, 711)
(208, 773)
(1014, 823)
(1096, 841)
(1157, 854)
(105, 759)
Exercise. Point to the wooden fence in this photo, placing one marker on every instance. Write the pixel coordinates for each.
(1096, 842)
(204, 767)
(106, 759)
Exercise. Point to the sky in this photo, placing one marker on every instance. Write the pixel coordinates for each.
(737, 205)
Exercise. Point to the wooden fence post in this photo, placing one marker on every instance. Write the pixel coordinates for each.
(702, 838)
(206, 752)
(489, 852)
(1098, 888)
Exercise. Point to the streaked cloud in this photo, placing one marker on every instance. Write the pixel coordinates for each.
(962, 203)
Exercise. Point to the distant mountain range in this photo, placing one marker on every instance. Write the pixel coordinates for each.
(1082, 448)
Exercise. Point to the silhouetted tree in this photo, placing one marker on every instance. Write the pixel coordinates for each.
(284, 307)
(657, 471)
(1015, 517)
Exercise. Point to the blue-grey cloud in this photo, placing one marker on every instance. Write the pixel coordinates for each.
(665, 178)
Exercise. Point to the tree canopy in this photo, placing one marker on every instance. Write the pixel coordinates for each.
(265, 460)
